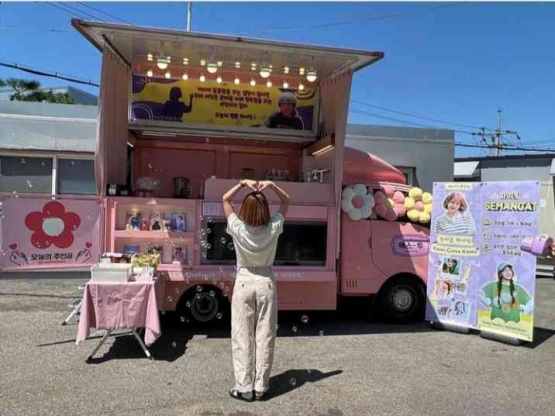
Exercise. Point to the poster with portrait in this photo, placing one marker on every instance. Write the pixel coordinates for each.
(210, 103)
(478, 276)
(454, 259)
(508, 274)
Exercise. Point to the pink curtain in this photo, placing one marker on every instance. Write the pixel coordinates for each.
(335, 93)
(111, 147)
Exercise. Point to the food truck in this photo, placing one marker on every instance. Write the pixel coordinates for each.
(183, 116)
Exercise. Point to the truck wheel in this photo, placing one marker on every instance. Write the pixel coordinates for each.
(203, 305)
(402, 300)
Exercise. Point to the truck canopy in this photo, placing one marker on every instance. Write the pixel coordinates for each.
(363, 167)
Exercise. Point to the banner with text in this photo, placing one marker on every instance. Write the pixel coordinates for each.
(478, 276)
(223, 104)
(38, 232)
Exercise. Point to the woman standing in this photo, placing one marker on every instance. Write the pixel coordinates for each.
(254, 303)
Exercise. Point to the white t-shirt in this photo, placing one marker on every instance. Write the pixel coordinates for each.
(255, 246)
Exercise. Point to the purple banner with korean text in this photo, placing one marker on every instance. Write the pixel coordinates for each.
(478, 277)
(508, 275)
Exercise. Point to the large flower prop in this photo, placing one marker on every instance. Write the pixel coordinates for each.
(52, 225)
(419, 206)
(356, 202)
(389, 203)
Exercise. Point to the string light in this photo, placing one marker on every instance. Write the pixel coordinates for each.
(202, 78)
(253, 83)
(285, 84)
(237, 81)
(149, 57)
(301, 70)
(168, 75)
(269, 84)
(212, 67)
(219, 80)
(202, 62)
(237, 65)
(286, 70)
(311, 75)
(301, 87)
(185, 77)
(149, 73)
(185, 61)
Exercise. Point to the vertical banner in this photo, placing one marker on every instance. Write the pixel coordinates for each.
(42, 233)
(478, 277)
(508, 275)
(454, 262)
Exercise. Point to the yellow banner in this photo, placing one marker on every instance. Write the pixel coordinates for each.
(212, 103)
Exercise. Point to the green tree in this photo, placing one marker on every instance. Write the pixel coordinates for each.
(30, 91)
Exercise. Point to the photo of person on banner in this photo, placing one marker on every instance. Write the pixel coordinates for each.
(287, 117)
(457, 219)
(506, 298)
(173, 108)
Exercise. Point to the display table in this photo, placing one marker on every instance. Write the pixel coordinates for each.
(116, 306)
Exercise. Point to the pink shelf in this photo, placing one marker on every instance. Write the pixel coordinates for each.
(151, 235)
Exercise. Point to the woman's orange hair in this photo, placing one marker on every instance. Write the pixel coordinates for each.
(255, 210)
(458, 197)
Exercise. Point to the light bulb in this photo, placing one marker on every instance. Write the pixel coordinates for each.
(237, 65)
(169, 58)
(301, 70)
(237, 81)
(202, 62)
(219, 80)
(301, 87)
(149, 57)
(220, 63)
(185, 77)
(265, 71)
(185, 61)
(285, 84)
(162, 63)
(253, 82)
(202, 78)
(149, 73)
(286, 70)
(311, 75)
(168, 75)
(212, 67)
(269, 84)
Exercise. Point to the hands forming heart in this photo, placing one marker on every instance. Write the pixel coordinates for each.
(257, 186)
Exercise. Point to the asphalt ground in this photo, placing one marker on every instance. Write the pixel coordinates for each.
(333, 366)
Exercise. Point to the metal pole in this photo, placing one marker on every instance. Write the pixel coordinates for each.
(189, 15)
(498, 134)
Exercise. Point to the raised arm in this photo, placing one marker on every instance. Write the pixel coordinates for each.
(228, 196)
(282, 195)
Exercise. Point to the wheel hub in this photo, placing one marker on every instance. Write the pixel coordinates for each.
(204, 307)
(402, 299)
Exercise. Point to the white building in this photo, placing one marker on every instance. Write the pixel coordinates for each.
(425, 156)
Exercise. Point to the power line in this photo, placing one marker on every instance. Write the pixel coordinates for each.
(35, 29)
(69, 6)
(417, 116)
(512, 148)
(350, 22)
(59, 7)
(50, 74)
(104, 13)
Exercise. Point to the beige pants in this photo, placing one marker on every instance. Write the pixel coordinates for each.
(253, 328)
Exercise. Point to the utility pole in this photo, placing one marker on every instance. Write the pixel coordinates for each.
(189, 14)
(496, 138)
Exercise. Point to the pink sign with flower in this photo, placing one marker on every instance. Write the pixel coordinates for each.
(38, 232)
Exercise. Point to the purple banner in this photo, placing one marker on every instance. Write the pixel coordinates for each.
(478, 276)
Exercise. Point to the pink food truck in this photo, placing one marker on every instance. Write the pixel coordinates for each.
(183, 116)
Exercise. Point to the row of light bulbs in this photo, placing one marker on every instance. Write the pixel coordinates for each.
(219, 80)
(265, 70)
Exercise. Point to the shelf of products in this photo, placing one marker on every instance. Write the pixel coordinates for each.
(152, 235)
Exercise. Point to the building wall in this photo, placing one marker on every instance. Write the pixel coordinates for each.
(429, 152)
(515, 170)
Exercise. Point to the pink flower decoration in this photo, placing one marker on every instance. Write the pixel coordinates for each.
(389, 203)
(52, 225)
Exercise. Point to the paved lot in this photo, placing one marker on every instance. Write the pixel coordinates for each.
(355, 368)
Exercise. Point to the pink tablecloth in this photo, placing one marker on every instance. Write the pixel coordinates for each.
(121, 306)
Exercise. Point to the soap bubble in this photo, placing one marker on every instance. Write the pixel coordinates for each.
(277, 327)
(305, 319)
(208, 231)
(219, 315)
(222, 285)
(212, 293)
(223, 240)
(294, 329)
(163, 312)
(225, 294)
(199, 288)
(22, 160)
(170, 299)
(321, 333)
(204, 256)
(188, 304)
(199, 296)
(293, 381)
(177, 291)
(174, 344)
(208, 246)
(182, 319)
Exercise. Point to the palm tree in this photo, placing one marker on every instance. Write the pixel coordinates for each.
(30, 91)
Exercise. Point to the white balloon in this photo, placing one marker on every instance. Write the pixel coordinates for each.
(348, 193)
(355, 214)
(347, 205)
(360, 189)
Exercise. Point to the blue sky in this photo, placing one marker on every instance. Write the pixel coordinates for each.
(457, 63)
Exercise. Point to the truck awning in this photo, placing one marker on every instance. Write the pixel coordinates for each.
(134, 43)
(466, 169)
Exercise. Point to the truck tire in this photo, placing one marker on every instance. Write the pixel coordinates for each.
(402, 300)
(204, 306)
